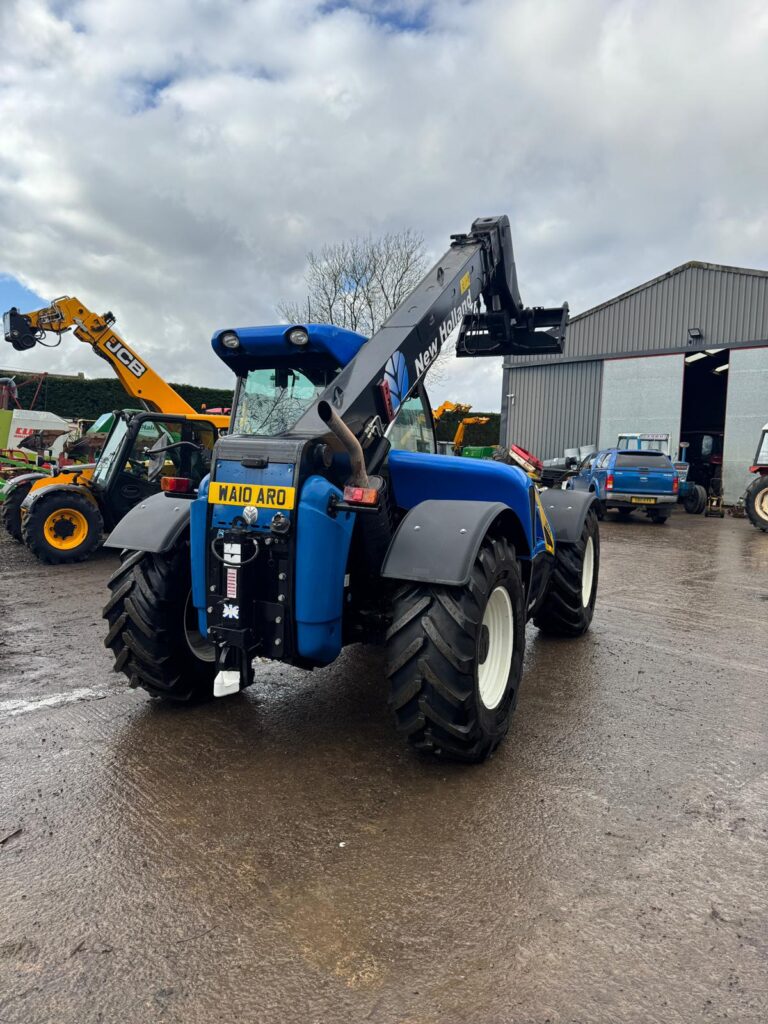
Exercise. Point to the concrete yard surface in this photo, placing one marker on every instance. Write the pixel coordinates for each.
(279, 856)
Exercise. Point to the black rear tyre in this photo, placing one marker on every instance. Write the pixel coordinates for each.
(62, 527)
(153, 631)
(658, 517)
(10, 511)
(455, 657)
(695, 501)
(570, 601)
(756, 503)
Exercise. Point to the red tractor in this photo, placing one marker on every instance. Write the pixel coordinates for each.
(756, 498)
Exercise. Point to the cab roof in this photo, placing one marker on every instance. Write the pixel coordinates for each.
(265, 347)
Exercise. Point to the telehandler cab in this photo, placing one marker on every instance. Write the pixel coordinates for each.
(62, 517)
(329, 519)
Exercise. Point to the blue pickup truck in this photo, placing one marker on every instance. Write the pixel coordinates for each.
(630, 481)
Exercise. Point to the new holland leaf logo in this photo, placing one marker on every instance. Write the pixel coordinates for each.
(396, 376)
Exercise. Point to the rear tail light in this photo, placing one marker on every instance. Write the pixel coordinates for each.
(609, 482)
(361, 496)
(176, 484)
(675, 484)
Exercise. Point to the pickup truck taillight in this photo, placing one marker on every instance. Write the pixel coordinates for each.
(609, 482)
(675, 483)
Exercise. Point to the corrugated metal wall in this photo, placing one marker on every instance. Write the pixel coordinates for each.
(554, 407)
(729, 305)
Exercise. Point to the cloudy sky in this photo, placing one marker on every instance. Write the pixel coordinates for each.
(174, 161)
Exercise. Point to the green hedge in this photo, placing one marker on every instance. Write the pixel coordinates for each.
(81, 398)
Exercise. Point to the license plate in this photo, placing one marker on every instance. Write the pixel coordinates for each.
(642, 501)
(258, 495)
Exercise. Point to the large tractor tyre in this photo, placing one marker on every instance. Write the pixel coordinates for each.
(10, 510)
(695, 500)
(455, 657)
(62, 527)
(756, 503)
(570, 601)
(153, 627)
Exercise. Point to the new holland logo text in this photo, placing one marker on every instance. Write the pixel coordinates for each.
(126, 357)
(448, 325)
(251, 494)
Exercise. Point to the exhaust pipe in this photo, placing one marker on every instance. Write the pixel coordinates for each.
(336, 424)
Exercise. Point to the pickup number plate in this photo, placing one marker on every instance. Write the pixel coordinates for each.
(642, 501)
(258, 495)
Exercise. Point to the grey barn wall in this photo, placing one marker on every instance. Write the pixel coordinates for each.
(555, 407)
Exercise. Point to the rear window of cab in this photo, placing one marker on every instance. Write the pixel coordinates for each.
(648, 460)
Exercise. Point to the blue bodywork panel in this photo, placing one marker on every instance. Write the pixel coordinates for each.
(322, 547)
(417, 477)
(198, 547)
(266, 347)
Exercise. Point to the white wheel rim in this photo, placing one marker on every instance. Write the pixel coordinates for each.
(762, 504)
(493, 673)
(587, 572)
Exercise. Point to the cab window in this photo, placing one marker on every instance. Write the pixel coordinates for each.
(411, 430)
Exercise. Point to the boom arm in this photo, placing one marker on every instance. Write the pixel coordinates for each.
(25, 330)
(391, 365)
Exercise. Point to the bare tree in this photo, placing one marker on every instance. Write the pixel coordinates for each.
(359, 283)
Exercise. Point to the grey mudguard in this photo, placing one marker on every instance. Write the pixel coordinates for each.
(438, 541)
(566, 512)
(154, 525)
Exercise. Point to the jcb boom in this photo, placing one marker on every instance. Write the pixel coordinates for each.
(329, 519)
(25, 330)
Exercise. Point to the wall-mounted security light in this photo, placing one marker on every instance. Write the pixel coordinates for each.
(695, 334)
(694, 356)
(721, 369)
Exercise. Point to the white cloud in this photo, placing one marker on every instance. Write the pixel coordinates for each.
(174, 161)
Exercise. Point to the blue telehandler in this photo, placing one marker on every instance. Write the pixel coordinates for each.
(328, 518)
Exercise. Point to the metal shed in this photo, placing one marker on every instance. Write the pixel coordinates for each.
(651, 359)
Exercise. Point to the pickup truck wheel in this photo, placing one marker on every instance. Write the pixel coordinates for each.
(153, 630)
(756, 503)
(455, 657)
(10, 510)
(658, 517)
(570, 602)
(624, 513)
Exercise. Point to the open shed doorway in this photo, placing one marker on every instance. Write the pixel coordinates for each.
(702, 423)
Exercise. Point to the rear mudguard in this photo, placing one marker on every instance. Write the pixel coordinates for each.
(153, 525)
(438, 541)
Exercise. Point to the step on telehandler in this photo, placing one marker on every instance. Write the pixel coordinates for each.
(319, 528)
(63, 517)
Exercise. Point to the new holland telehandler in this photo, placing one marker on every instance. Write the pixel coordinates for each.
(63, 517)
(323, 523)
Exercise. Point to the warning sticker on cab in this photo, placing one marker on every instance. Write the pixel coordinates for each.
(251, 494)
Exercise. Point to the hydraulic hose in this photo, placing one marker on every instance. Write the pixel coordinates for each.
(338, 427)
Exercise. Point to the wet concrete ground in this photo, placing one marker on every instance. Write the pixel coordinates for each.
(279, 857)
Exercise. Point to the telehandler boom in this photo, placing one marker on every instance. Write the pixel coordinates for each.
(25, 330)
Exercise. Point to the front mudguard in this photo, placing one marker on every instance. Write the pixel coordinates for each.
(567, 512)
(35, 495)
